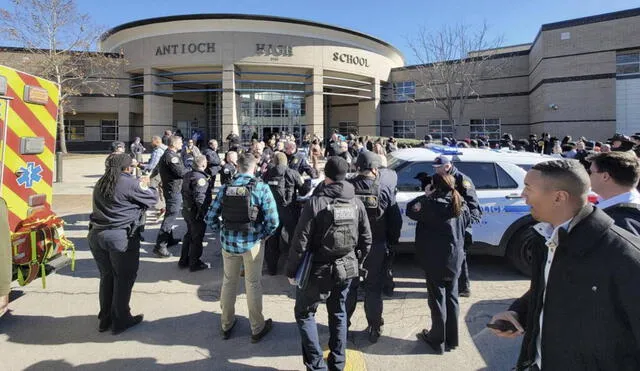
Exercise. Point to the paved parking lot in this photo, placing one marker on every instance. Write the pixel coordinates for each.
(56, 328)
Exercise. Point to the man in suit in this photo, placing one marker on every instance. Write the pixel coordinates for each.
(581, 310)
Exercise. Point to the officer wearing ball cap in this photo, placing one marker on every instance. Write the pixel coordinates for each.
(375, 187)
(194, 195)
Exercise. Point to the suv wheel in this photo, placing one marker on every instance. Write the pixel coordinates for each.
(519, 249)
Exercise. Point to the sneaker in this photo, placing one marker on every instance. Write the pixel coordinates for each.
(268, 325)
(162, 252)
(199, 266)
(464, 294)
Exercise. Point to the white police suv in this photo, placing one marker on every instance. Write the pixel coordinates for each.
(498, 176)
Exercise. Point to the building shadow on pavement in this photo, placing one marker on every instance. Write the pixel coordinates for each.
(146, 364)
(498, 353)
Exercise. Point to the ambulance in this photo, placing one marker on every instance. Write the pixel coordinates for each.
(28, 123)
(498, 176)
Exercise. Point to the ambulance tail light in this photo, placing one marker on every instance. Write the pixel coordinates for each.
(37, 200)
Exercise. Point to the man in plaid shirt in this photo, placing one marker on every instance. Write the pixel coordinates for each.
(243, 246)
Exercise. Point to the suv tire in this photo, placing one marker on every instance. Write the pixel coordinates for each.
(519, 249)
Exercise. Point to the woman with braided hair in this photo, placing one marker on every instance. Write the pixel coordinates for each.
(119, 203)
(442, 217)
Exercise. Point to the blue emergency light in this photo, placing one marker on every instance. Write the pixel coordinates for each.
(445, 150)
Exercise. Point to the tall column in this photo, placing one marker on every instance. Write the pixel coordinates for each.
(124, 109)
(369, 111)
(158, 110)
(229, 103)
(314, 104)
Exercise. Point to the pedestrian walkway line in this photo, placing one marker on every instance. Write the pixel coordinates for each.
(355, 360)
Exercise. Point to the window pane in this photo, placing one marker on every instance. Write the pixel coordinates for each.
(483, 174)
(406, 175)
(624, 69)
(627, 58)
(505, 181)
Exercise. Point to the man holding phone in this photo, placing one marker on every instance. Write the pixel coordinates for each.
(582, 309)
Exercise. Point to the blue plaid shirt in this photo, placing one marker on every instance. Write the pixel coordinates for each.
(241, 242)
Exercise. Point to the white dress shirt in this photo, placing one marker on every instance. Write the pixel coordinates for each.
(632, 197)
(547, 231)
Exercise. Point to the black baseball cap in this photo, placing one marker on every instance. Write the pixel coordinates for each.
(368, 160)
(336, 168)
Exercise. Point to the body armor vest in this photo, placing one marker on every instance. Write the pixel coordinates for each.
(237, 212)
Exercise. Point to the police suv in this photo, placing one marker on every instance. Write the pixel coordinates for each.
(498, 176)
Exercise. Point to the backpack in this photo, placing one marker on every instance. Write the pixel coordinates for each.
(279, 190)
(36, 240)
(370, 199)
(341, 236)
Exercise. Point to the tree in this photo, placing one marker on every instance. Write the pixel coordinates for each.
(453, 63)
(60, 39)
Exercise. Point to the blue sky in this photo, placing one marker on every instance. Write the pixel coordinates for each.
(516, 21)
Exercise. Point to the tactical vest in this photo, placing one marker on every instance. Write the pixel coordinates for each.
(370, 198)
(237, 212)
(279, 190)
(341, 235)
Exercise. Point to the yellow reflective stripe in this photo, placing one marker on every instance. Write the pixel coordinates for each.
(15, 203)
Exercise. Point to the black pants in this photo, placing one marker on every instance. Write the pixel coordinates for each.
(463, 281)
(272, 250)
(443, 303)
(373, 284)
(118, 272)
(173, 201)
(192, 240)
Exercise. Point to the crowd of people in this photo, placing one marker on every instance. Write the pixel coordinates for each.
(338, 238)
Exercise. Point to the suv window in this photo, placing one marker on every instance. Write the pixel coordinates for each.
(406, 175)
(483, 174)
(505, 181)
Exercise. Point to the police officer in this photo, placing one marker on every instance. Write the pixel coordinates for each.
(297, 161)
(333, 210)
(375, 187)
(119, 203)
(229, 169)
(213, 160)
(194, 196)
(171, 170)
(465, 187)
(284, 182)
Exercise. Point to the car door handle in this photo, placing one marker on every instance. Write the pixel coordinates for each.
(513, 196)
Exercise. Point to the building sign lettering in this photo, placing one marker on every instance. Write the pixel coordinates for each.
(350, 59)
(274, 50)
(191, 48)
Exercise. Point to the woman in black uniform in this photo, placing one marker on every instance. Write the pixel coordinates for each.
(119, 204)
(442, 218)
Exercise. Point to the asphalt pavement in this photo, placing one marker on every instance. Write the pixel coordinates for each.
(56, 328)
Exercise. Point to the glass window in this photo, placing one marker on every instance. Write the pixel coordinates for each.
(404, 129)
(347, 127)
(406, 175)
(485, 127)
(628, 64)
(440, 129)
(482, 174)
(404, 90)
(73, 130)
(109, 130)
(505, 181)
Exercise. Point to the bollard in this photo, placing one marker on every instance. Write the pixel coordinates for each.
(59, 167)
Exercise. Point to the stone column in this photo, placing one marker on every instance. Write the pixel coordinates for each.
(124, 109)
(369, 111)
(229, 103)
(158, 110)
(314, 115)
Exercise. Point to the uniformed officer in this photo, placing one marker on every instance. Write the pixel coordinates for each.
(375, 187)
(213, 160)
(171, 171)
(332, 211)
(297, 161)
(464, 185)
(119, 203)
(284, 183)
(194, 196)
(229, 169)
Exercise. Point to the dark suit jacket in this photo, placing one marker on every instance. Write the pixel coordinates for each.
(592, 302)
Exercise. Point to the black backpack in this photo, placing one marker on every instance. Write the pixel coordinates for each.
(371, 200)
(279, 190)
(237, 212)
(341, 236)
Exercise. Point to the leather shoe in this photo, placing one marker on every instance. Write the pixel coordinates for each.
(199, 266)
(162, 252)
(424, 336)
(374, 334)
(268, 324)
(464, 294)
(104, 325)
(117, 330)
(227, 334)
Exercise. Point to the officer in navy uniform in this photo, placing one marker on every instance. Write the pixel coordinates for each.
(119, 204)
(297, 161)
(464, 185)
(375, 187)
(194, 196)
(333, 210)
(213, 160)
(284, 183)
(172, 171)
(229, 169)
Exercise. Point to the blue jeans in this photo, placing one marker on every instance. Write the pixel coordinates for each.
(320, 287)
